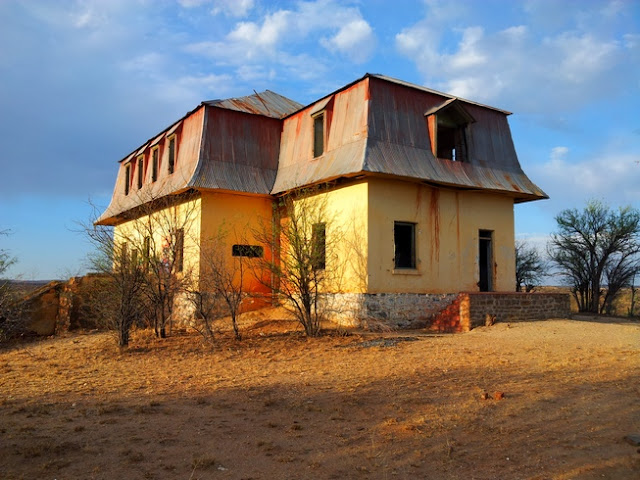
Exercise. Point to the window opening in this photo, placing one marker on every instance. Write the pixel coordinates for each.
(251, 251)
(404, 240)
(154, 164)
(485, 260)
(319, 246)
(178, 246)
(140, 168)
(127, 177)
(451, 140)
(146, 253)
(318, 135)
(172, 154)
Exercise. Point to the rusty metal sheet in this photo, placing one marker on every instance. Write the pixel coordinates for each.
(239, 152)
(266, 103)
(436, 92)
(407, 161)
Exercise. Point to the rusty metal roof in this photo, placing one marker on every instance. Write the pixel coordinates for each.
(377, 125)
(267, 103)
(430, 90)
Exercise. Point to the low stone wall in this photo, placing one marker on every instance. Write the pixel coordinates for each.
(516, 306)
(385, 310)
(442, 312)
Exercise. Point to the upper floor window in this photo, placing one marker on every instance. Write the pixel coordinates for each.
(155, 163)
(318, 135)
(127, 178)
(172, 153)
(140, 168)
(449, 130)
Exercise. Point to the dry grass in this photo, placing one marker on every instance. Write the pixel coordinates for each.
(277, 405)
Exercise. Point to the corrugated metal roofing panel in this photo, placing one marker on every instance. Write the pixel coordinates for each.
(429, 90)
(345, 160)
(267, 103)
(239, 152)
(407, 161)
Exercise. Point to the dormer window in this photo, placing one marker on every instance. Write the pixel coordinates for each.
(140, 167)
(318, 135)
(172, 154)
(155, 163)
(448, 130)
(127, 178)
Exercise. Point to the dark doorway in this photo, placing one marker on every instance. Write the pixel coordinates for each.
(485, 259)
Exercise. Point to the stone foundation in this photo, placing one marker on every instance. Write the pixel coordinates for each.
(442, 312)
(385, 310)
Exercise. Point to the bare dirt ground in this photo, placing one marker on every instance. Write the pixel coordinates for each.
(405, 405)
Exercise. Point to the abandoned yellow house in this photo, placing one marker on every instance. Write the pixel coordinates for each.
(422, 184)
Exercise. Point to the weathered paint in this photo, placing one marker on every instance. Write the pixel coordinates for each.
(229, 219)
(447, 226)
(159, 225)
(344, 210)
(188, 135)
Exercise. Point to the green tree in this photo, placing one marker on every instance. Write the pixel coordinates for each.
(594, 247)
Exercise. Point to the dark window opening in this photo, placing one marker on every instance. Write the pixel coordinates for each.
(146, 254)
(404, 240)
(318, 135)
(319, 246)
(178, 259)
(485, 260)
(124, 256)
(452, 140)
(172, 154)
(154, 165)
(127, 179)
(140, 168)
(251, 251)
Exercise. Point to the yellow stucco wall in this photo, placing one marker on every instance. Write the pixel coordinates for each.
(185, 215)
(447, 227)
(344, 211)
(229, 219)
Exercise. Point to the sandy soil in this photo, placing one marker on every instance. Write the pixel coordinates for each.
(278, 406)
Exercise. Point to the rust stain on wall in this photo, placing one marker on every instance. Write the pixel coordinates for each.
(434, 213)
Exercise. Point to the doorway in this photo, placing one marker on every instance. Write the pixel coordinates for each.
(485, 259)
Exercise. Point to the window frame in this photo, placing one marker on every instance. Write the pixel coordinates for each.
(247, 251)
(172, 153)
(319, 246)
(127, 178)
(155, 163)
(412, 265)
(140, 170)
(319, 147)
(178, 250)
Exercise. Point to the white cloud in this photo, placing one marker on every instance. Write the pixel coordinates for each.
(507, 67)
(610, 175)
(271, 40)
(355, 40)
(231, 8)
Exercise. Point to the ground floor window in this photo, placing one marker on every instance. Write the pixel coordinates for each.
(251, 251)
(319, 246)
(404, 241)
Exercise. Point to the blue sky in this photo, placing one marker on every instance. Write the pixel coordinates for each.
(85, 82)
